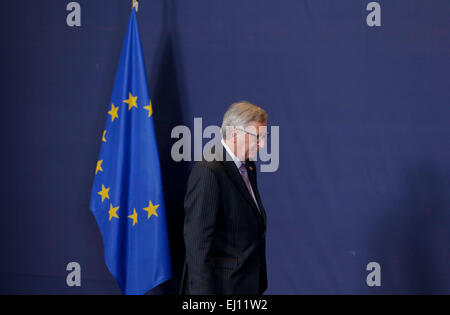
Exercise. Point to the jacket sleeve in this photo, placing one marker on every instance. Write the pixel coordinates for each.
(201, 205)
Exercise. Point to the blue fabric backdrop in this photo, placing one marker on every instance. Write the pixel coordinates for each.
(364, 133)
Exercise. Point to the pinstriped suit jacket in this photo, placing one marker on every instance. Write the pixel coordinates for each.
(224, 232)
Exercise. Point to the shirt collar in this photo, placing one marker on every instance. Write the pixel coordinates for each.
(234, 157)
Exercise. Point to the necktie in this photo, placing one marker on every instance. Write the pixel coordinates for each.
(244, 174)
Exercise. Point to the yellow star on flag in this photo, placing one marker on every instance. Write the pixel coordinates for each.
(131, 101)
(151, 209)
(113, 212)
(104, 192)
(103, 137)
(99, 167)
(149, 108)
(113, 112)
(134, 216)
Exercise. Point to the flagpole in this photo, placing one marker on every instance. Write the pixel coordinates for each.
(135, 3)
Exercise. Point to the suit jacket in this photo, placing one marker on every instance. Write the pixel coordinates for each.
(224, 232)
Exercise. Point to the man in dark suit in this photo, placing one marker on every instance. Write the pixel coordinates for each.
(225, 221)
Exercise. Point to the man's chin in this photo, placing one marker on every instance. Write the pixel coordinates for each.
(252, 157)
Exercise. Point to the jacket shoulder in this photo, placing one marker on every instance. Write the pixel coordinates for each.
(208, 166)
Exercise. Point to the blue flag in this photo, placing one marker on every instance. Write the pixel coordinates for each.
(127, 197)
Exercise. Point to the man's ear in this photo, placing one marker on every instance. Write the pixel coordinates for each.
(232, 134)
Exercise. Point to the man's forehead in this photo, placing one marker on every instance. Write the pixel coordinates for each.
(257, 124)
(256, 127)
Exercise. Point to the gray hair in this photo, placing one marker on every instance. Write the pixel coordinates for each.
(241, 114)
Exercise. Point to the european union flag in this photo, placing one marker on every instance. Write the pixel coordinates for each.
(127, 197)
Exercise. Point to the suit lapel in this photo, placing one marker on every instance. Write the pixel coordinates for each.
(236, 177)
(251, 168)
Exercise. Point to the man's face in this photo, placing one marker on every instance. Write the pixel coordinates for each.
(250, 139)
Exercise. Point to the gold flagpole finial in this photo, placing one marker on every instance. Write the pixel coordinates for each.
(135, 3)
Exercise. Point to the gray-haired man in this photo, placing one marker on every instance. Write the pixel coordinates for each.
(225, 221)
